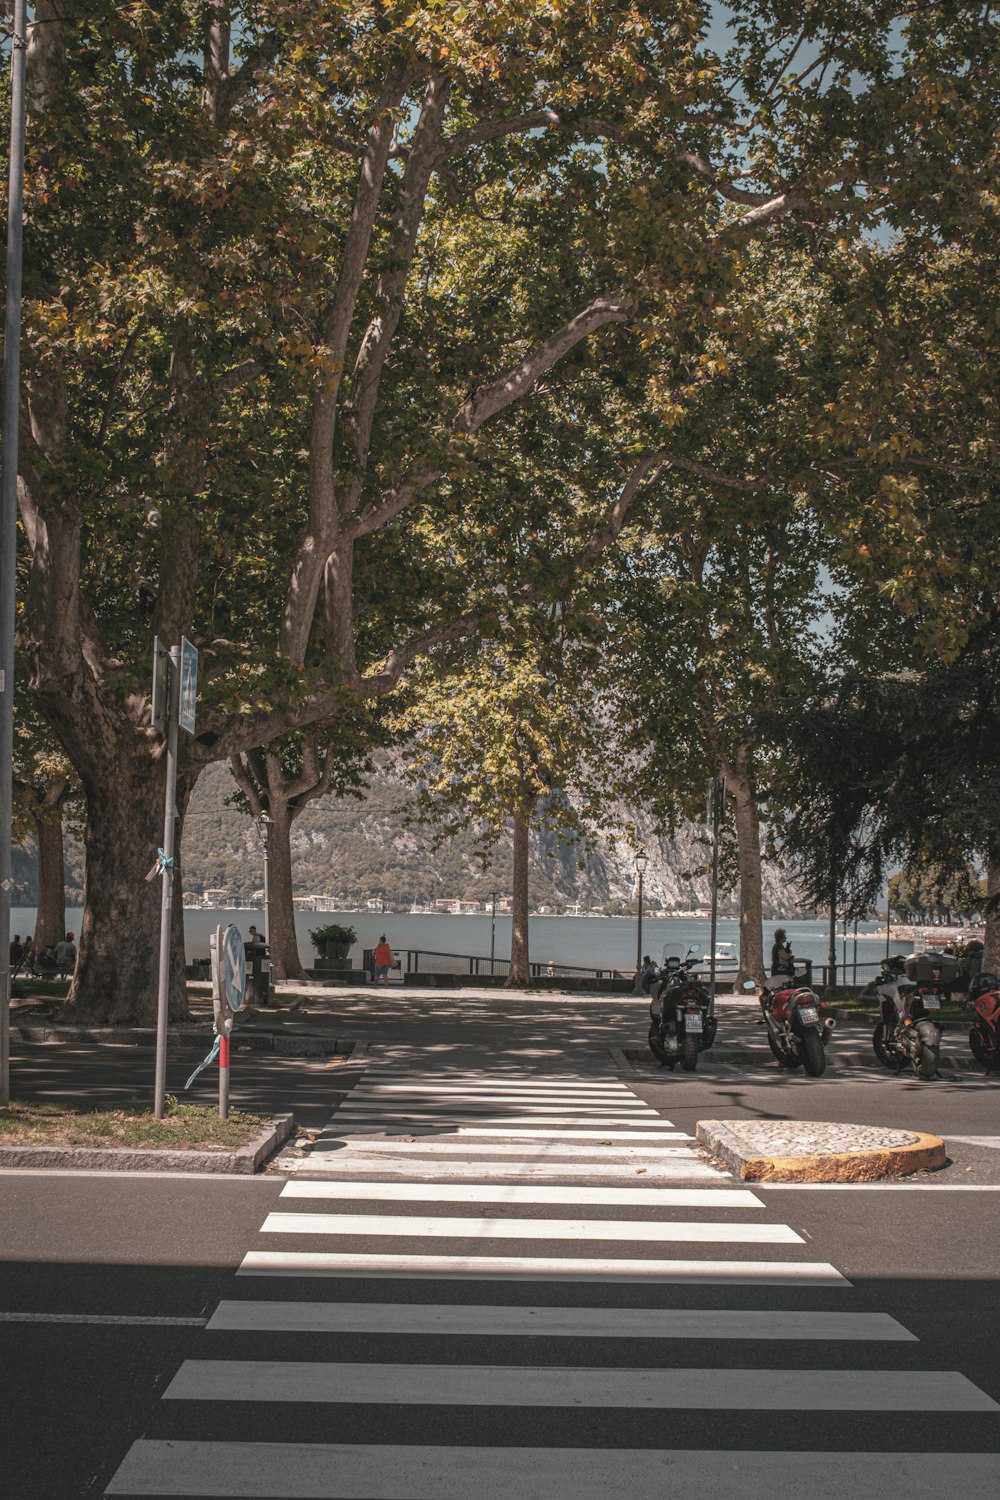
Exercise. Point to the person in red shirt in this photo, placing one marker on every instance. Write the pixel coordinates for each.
(383, 960)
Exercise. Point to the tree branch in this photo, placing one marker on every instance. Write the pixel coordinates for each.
(484, 403)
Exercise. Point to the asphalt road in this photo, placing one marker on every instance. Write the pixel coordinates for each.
(378, 1405)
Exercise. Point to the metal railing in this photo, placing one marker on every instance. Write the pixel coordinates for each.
(470, 963)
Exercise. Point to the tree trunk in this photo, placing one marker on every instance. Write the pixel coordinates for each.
(116, 978)
(748, 856)
(519, 975)
(50, 920)
(285, 960)
(991, 943)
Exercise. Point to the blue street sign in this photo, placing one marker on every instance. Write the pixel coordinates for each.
(189, 685)
(234, 967)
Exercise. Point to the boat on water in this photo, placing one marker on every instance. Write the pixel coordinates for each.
(727, 962)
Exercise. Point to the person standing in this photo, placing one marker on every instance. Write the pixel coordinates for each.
(782, 961)
(383, 960)
(66, 954)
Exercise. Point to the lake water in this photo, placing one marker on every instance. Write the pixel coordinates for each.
(587, 942)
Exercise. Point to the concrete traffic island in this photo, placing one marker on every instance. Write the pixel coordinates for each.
(818, 1151)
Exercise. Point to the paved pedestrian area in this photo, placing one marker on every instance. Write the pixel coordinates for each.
(522, 1283)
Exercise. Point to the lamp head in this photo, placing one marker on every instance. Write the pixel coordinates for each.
(641, 861)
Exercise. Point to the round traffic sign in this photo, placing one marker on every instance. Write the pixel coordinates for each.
(234, 967)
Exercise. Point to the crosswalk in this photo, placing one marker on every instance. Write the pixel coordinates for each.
(472, 1320)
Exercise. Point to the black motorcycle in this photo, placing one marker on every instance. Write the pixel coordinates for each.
(681, 1023)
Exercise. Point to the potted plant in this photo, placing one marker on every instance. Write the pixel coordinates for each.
(333, 942)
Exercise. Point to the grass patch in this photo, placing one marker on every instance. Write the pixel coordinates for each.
(190, 1127)
(53, 988)
(867, 1003)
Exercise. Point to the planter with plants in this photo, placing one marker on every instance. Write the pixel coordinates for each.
(333, 944)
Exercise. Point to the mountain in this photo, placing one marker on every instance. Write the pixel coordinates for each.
(358, 850)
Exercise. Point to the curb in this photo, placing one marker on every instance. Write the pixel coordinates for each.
(926, 1153)
(245, 1162)
(244, 1039)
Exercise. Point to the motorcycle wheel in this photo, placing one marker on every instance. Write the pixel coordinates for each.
(689, 1061)
(812, 1054)
(930, 1051)
(983, 1052)
(655, 1045)
(888, 1055)
(787, 1060)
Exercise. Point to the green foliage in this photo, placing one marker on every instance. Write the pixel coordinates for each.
(333, 932)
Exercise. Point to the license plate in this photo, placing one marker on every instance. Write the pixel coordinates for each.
(931, 1002)
(693, 1021)
(808, 1013)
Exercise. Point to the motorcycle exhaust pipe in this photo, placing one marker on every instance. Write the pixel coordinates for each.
(829, 1027)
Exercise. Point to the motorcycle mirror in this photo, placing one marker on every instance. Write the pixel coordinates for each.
(694, 950)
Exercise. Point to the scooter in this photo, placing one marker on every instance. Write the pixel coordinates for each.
(910, 991)
(796, 1033)
(681, 1025)
(984, 1033)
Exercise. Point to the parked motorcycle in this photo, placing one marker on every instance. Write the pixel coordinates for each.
(910, 992)
(796, 1033)
(984, 1033)
(681, 1025)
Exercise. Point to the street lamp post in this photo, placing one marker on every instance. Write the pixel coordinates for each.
(493, 933)
(641, 861)
(8, 511)
(264, 823)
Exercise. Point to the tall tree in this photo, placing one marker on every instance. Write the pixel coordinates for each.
(223, 260)
(509, 742)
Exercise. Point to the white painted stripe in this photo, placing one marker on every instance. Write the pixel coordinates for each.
(644, 1231)
(676, 1166)
(486, 1117)
(551, 1322)
(541, 1268)
(561, 1385)
(502, 1090)
(408, 1110)
(992, 1141)
(554, 1150)
(117, 1319)
(513, 1128)
(640, 1197)
(361, 1471)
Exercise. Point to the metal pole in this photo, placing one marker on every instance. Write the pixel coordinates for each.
(493, 932)
(832, 955)
(638, 932)
(718, 791)
(223, 1078)
(167, 887)
(888, 922)
(8, 513)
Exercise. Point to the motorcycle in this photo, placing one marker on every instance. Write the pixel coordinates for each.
(984, 1033)
(910, 991)
(681, 1023)
(796, 1033)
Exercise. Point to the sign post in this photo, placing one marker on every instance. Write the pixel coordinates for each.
(174, 672)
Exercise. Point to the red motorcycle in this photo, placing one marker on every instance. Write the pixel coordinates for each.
(796, 1033)
(984, 1033)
